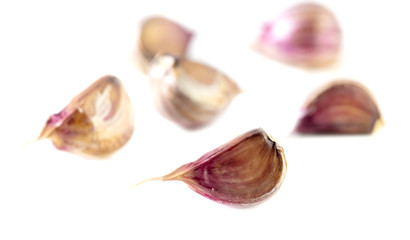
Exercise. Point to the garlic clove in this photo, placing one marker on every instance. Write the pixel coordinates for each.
(344, 107)
(161, 35)
(97, 122)
(306, 35)
(189, 93)
(242, 172)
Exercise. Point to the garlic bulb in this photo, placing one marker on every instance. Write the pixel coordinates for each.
(161, 35)
(242, 172)
(97, 122)
(307, 34)
(189, 93)
(343, 107)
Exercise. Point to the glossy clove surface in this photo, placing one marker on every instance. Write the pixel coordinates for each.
(97, 122)
(344, 107)
(160, 35)
(242, 172)
(189, 93)
(307, 35)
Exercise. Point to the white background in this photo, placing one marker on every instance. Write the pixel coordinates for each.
(350, 187)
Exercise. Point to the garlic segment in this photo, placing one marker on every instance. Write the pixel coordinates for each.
(307, 34)
(189, 93)
(97, 122)
(161, 35)
(343, 107)
(242, 172)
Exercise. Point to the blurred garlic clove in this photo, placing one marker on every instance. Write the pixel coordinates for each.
(97, 122)
(344, 107)
(306, 35)
(242, 172)
(189, 93)
(162, 36)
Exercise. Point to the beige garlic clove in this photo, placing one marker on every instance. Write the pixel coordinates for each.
(189, 93)
(161, 35)
(344, 107)
(97, 122)
(243, 172)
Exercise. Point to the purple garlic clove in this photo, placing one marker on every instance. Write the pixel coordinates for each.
(345, 107)
(162, 36)
(189, 93)
(306, 35)
(242, 172)
(97, 122)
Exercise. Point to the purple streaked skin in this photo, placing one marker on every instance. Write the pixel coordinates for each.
(306, 34)
(242, 172)
(58, 118)
(55, 121)
(343, 108)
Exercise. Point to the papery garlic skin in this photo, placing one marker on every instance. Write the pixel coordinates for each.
(160, 35)
(243, 172)
(97, 122)
(306, 35)
(189, 93)
(343, 107)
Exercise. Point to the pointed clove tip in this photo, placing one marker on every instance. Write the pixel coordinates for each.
(25, 145)
(175, 175)
(237, 90)
(147, 180)
(46, 131)
(378, 124)
(42, 136)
